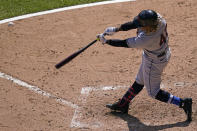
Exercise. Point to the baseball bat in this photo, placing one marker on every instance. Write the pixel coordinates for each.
(72, 56)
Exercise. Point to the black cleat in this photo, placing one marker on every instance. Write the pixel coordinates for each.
(117, 107)
(186, 104)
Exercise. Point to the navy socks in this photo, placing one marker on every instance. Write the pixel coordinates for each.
(168, 98)
(131, 93)
(161, 95)
(176, 100)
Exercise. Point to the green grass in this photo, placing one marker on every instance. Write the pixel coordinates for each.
(12, 8)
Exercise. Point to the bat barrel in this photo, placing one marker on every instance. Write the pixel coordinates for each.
(72, 56)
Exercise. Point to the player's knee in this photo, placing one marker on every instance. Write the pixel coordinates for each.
(139, 81)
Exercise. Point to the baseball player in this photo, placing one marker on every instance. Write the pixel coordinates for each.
(152, 38)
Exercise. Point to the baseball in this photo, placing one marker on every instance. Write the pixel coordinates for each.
(10, 24)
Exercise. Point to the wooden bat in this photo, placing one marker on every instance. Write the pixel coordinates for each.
(72, 56)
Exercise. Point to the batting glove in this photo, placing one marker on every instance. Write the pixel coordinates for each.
(110, 31)
(101, 38)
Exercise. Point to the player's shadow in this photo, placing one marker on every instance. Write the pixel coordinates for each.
(135, 124)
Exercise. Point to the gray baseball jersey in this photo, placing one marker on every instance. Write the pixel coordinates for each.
(156, 54)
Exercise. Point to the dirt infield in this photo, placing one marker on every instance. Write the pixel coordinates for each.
(30, 49)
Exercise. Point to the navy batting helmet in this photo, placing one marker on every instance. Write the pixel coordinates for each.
(147, 18)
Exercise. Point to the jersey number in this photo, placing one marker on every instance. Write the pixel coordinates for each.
(164, 36)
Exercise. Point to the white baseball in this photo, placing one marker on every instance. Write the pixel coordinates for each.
(10, 24)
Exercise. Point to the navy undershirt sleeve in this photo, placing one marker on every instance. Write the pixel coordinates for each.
(124, 27)
(117, 43)
(130, 25)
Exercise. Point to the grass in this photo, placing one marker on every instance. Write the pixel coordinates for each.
(12, 8)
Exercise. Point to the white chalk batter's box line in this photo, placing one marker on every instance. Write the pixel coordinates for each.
(37, 90)
(85, 92)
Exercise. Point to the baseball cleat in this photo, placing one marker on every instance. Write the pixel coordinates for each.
(117, 107)
(186, 104)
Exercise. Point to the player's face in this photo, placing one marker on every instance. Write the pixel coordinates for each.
(148, 29)
(145, 28)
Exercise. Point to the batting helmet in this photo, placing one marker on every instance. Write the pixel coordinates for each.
(147, 18)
